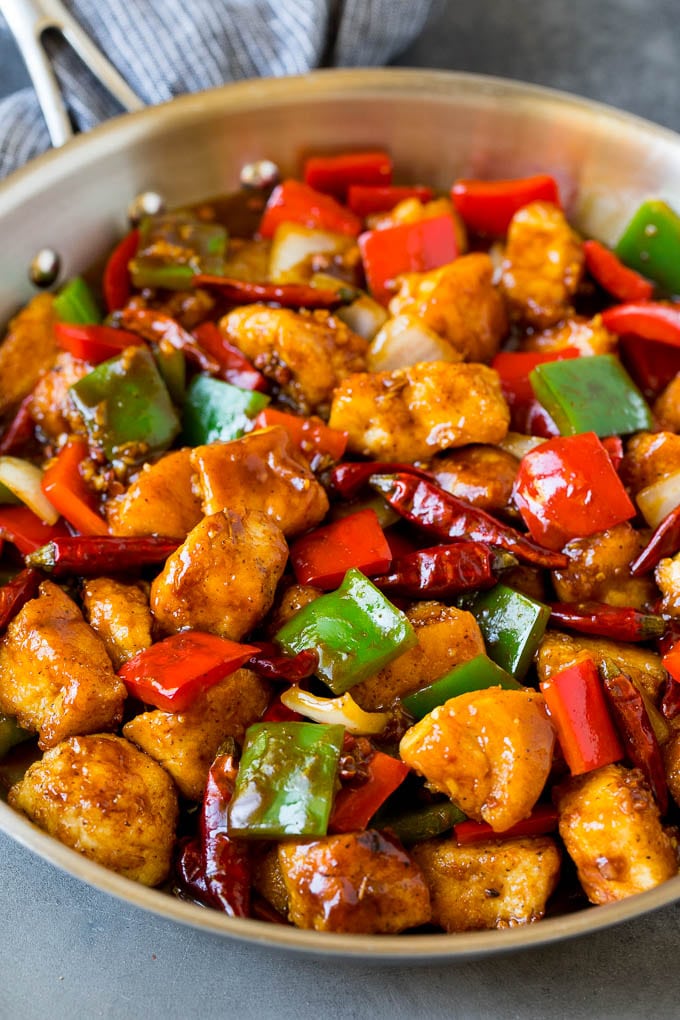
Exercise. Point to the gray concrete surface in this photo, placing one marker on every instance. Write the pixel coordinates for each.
(67, 951)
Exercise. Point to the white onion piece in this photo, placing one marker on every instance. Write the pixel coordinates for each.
(364, 316)
(342, 711)
(657, 500)
(519, 445)
(293, 244)
(405, 340)
(25, 480)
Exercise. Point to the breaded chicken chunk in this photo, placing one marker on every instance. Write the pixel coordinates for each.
(558, 651)
(185, 743)
(290, 601)
(55, 673)
(120, 614)
(460, 303)
(160, 501)
(671, 759)
(599, 570)
(354, 882)
(224, 576)
(488, 885)
(305, 353)
(51, 407)
(668, 579)
(482, 475)
(107, 800)
(28, 350)
(490, 751)
(610, 825)
(543, 265)
(588, 336)
(446, 637)
(410, 414)
(262, 471)
(649, 457)
(667, 406)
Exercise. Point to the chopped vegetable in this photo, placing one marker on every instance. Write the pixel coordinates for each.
(366, 199)
(650, 320)
(607, 269)
(66, 490)
(335, 174)
(474, 675)
(314, 438)
(355, 806)
(15, 594)
(543, 819)
(75, 303)
(24, 480)
(423, 823)
(340, 711)
(226, 861)
(92, 342)
(215, 411)
(26, 530)
(664, 542)
(294, 202)
(512, 624)
(322, 557)
(173, 248)
(514, 368)
(407, 248)
(653, 364)
(159, 328)
(487, 207)
(117, 284)
(234, 366)
(268, 662)
(658, 500)
(650, 244)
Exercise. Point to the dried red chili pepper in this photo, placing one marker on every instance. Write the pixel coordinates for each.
(90, 555)
(226, 862)
(426, 504)
(234, 366)
(117, 284)
(287, 295)
(16, 593)
(20, 429)
(190, 874)
(270, 663)
(444, 570)
(349, 478)
(670, 698)
(635, 729)
(620, 623)
(542, 820)
(156, 326)
(664, 542)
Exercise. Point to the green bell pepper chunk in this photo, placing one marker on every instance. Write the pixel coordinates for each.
(355, 630)
(172, 365)
(174, 247)
(593, 394)
(126, 407)
(423, 823)
(216, 411)
(76, 303)
(475, 675)
(11, 734)
(651, 244)
(286, 780)
(512, 625)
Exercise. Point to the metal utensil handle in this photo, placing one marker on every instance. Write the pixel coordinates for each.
(28, 20)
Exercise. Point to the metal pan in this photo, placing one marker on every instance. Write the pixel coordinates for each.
(438, 126)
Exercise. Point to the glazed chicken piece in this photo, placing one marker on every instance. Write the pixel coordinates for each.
(107, 800)
(446, 637)
(159, 501)
(482, 475)
(187, 307)
(306, 354)
(599, 570)
(610, 825)
(185, 743)
(223, 578)
(588, 336)
(558, 651)
(460, 303)
(55, 673)
(28, 350)
(488, 885)
(355, 882)
(410, 414)
(490, 751)
(262, 471)
(290, 602)
(649, 457)
(543, 265)
(119, 613)
(51, 407)
(668, 579)
(667, 406)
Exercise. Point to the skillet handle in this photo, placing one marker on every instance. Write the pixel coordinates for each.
(28, 20)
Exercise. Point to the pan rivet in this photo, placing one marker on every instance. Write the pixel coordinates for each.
(44, 268)
(147, 203)
(260, 175)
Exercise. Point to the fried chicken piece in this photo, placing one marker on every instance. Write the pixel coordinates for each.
(668, 579)
(558, 651)
(610, 825)
(649, 457)
(588, 336)
(599, 570)
(107, 800)
(290, 602)
(543, 265)
(119, 613)
(159, 501)
(262, 471)
(667, 406)
(55, 673)
(488, 885)
(354, 882)
(223, 578)
(185, 743)
(671, 759)
(51, 407)
(28, 350)
(305, 353)
(410, 414)
(446, 637)
(490, 751)
(482, 475)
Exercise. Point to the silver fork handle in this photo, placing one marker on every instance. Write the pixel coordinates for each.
(28, 20)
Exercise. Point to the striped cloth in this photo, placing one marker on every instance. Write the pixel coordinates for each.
(165, 49)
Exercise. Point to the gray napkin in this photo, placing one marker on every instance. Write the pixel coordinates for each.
(165, 49)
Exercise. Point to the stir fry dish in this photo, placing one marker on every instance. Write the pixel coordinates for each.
(341, 554)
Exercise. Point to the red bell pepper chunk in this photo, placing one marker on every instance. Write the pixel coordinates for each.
(334, 174)
(312, 435)
(117, 282)
(651, 320)
(66, 490)
(354, 807)
(172, 673)
(323, 556)
(614, 447)
(532, 419)
(671, 661)
(617, 279)
(568, 488)
(278, 712)
(487, 207)
(578, 708)
(234, 366)
(25, 530)
(16, 593)
(542, 820)
(364, 200)
(664, 542)
(20, 429)
(514, 367)
(295, 202)
(407, 248)
(652, 363)
(93, 343)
